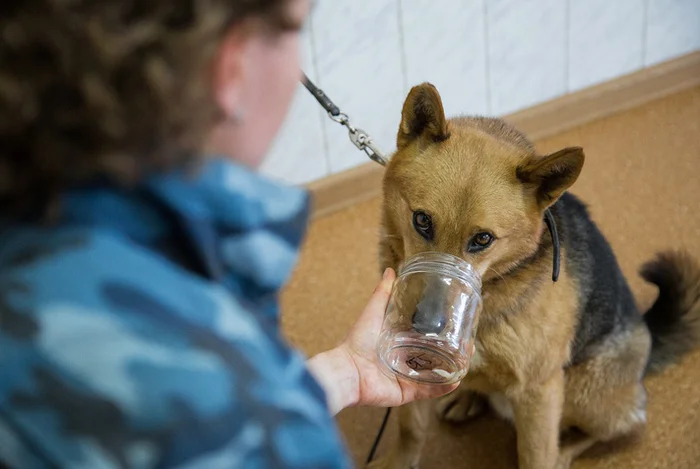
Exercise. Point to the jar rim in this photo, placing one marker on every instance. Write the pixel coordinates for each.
(445, 262)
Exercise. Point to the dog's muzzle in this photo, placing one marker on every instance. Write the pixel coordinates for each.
(428, 317)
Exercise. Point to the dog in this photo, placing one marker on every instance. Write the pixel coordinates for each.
(564, 361)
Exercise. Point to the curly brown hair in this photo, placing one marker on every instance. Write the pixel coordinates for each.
(113, 88)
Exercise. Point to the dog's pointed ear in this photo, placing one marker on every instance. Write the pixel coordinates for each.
(553, 174)
(422, 117)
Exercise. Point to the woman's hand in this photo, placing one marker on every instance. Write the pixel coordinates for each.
(351, 373)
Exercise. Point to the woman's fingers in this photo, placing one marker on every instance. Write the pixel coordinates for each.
(366, 329)
(382, 292)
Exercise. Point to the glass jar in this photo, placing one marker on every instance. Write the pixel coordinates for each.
(431, 319)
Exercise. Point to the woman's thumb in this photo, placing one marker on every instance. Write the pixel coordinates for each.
(381, 294)
(383, 290)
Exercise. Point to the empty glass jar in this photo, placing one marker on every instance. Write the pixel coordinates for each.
(430, 323)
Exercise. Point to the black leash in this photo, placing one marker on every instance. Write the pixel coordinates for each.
(358, 137)
(364, 142)
(378, 438)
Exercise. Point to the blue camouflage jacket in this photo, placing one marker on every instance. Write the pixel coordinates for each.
(141, 331)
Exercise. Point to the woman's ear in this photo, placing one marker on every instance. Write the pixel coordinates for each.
(422, 117)
(552, 175)
(227, 72)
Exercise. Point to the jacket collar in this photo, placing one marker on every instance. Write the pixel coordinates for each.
(237, 227)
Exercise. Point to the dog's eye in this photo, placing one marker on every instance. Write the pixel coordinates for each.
(480, 241)
(423, 224)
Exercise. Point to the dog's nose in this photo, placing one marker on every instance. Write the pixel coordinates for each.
(429, 316)
(428, 323)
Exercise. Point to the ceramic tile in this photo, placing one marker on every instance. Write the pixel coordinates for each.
(526, 41)
(673, 29)
(298, 153)
(605, 40)
(358, 58)
(444, 44)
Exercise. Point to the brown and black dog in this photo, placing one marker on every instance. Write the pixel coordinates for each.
(564, 361)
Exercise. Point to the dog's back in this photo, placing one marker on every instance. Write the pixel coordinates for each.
(606, 304)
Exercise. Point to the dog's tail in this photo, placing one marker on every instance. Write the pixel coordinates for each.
(674, 318)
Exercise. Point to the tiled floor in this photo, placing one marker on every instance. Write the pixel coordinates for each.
(642, 183)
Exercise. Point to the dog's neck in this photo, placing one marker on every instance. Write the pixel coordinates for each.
(548, 244)
(509, 292)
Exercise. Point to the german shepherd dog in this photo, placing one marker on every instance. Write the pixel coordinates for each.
(564, 361)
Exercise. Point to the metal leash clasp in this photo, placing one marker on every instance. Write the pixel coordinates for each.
(360, 139)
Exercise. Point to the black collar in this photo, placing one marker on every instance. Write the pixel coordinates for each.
(556, 258)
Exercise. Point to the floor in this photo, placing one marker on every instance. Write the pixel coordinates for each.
(641, 183)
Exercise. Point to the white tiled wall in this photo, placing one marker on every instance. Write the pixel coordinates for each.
(358, 54)
(604, 42)
(444, 42)
(526, 52)
(672, 29)
(488, 57)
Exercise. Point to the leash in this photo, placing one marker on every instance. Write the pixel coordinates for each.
(358, 137)
(364, 142)
(378, 438)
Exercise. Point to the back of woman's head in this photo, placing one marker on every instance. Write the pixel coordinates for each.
(115, 88)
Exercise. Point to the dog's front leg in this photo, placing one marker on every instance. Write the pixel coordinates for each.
(537, 411)
(414, 419)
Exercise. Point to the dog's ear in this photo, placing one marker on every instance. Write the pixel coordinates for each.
(553, 174)
(422, 117)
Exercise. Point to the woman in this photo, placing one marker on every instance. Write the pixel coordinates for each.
(138, 325)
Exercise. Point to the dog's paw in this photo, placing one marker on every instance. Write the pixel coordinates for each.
(460, 406)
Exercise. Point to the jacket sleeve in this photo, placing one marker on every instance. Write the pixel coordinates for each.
(140, 374)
